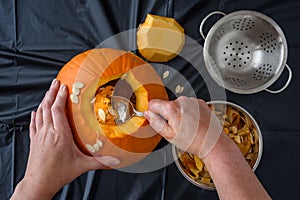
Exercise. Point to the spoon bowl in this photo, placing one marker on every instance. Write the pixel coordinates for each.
(124, 109)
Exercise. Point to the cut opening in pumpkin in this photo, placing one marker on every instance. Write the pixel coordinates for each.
(103, 109)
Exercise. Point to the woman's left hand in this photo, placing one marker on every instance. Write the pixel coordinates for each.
(54, 159)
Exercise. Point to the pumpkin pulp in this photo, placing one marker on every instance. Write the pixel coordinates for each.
(103, 110)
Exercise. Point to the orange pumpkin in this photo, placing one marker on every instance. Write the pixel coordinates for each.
(97, 68)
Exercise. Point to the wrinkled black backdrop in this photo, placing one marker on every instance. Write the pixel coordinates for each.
(37, 37)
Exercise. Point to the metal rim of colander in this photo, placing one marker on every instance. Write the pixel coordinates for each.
(260, 143)
(217, 76)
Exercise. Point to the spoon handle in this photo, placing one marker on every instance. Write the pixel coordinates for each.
(138, 113)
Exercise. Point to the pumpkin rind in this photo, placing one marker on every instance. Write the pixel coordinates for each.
(131, 141)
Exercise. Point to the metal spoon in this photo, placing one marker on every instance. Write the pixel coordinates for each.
(124, 109)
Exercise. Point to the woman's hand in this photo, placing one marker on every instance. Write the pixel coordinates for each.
(186, 122)
(54, 159)
(189, 124)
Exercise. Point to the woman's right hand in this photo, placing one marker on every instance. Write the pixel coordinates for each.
(189, 124)
(186, 122)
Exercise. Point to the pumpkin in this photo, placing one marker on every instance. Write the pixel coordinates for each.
(95, 73)
(159, 38)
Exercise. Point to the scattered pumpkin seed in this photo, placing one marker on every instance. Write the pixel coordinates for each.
(93, 100)
(101, 114)
(166, 74)
(78, 84)
(96, 147)
(90, 148)
(74, 98)
(75, 90)
(99, 142)
(179, 89)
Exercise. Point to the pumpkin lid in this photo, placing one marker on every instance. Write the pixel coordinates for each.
(159, 38)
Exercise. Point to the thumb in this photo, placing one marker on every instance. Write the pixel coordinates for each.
(100, 162)
(158, 123)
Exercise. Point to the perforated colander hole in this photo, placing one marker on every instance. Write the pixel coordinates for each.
(263, 72)
(236, 82)
(236, 54)
(243, 24)
(268, 42)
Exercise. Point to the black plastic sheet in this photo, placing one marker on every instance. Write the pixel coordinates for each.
(37, 37)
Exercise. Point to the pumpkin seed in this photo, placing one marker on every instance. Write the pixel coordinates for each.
(179, 89)
(93, 100)
(99, 142)
(101, 114)
(75, 90)
(96, 147)
(90, 148)
(166, 74)
(74, 98)
(78, 84)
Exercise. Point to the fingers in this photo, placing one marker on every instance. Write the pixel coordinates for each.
(161, 116)
(49, 100)
(159, 124)
(107, 161)
(39, 117)
(161, 107)
(32, 126)
(43, 114)
(58, 108)
(100, 162)
(51, 110)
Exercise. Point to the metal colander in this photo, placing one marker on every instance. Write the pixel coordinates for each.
(245, 52)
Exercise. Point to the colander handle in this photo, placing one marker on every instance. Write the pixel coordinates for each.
(286, 84)
(204, 20)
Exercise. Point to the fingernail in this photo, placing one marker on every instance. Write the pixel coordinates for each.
(109, 160)
(62, 87)
(54, 81)
(114, 162)
(147, 114)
